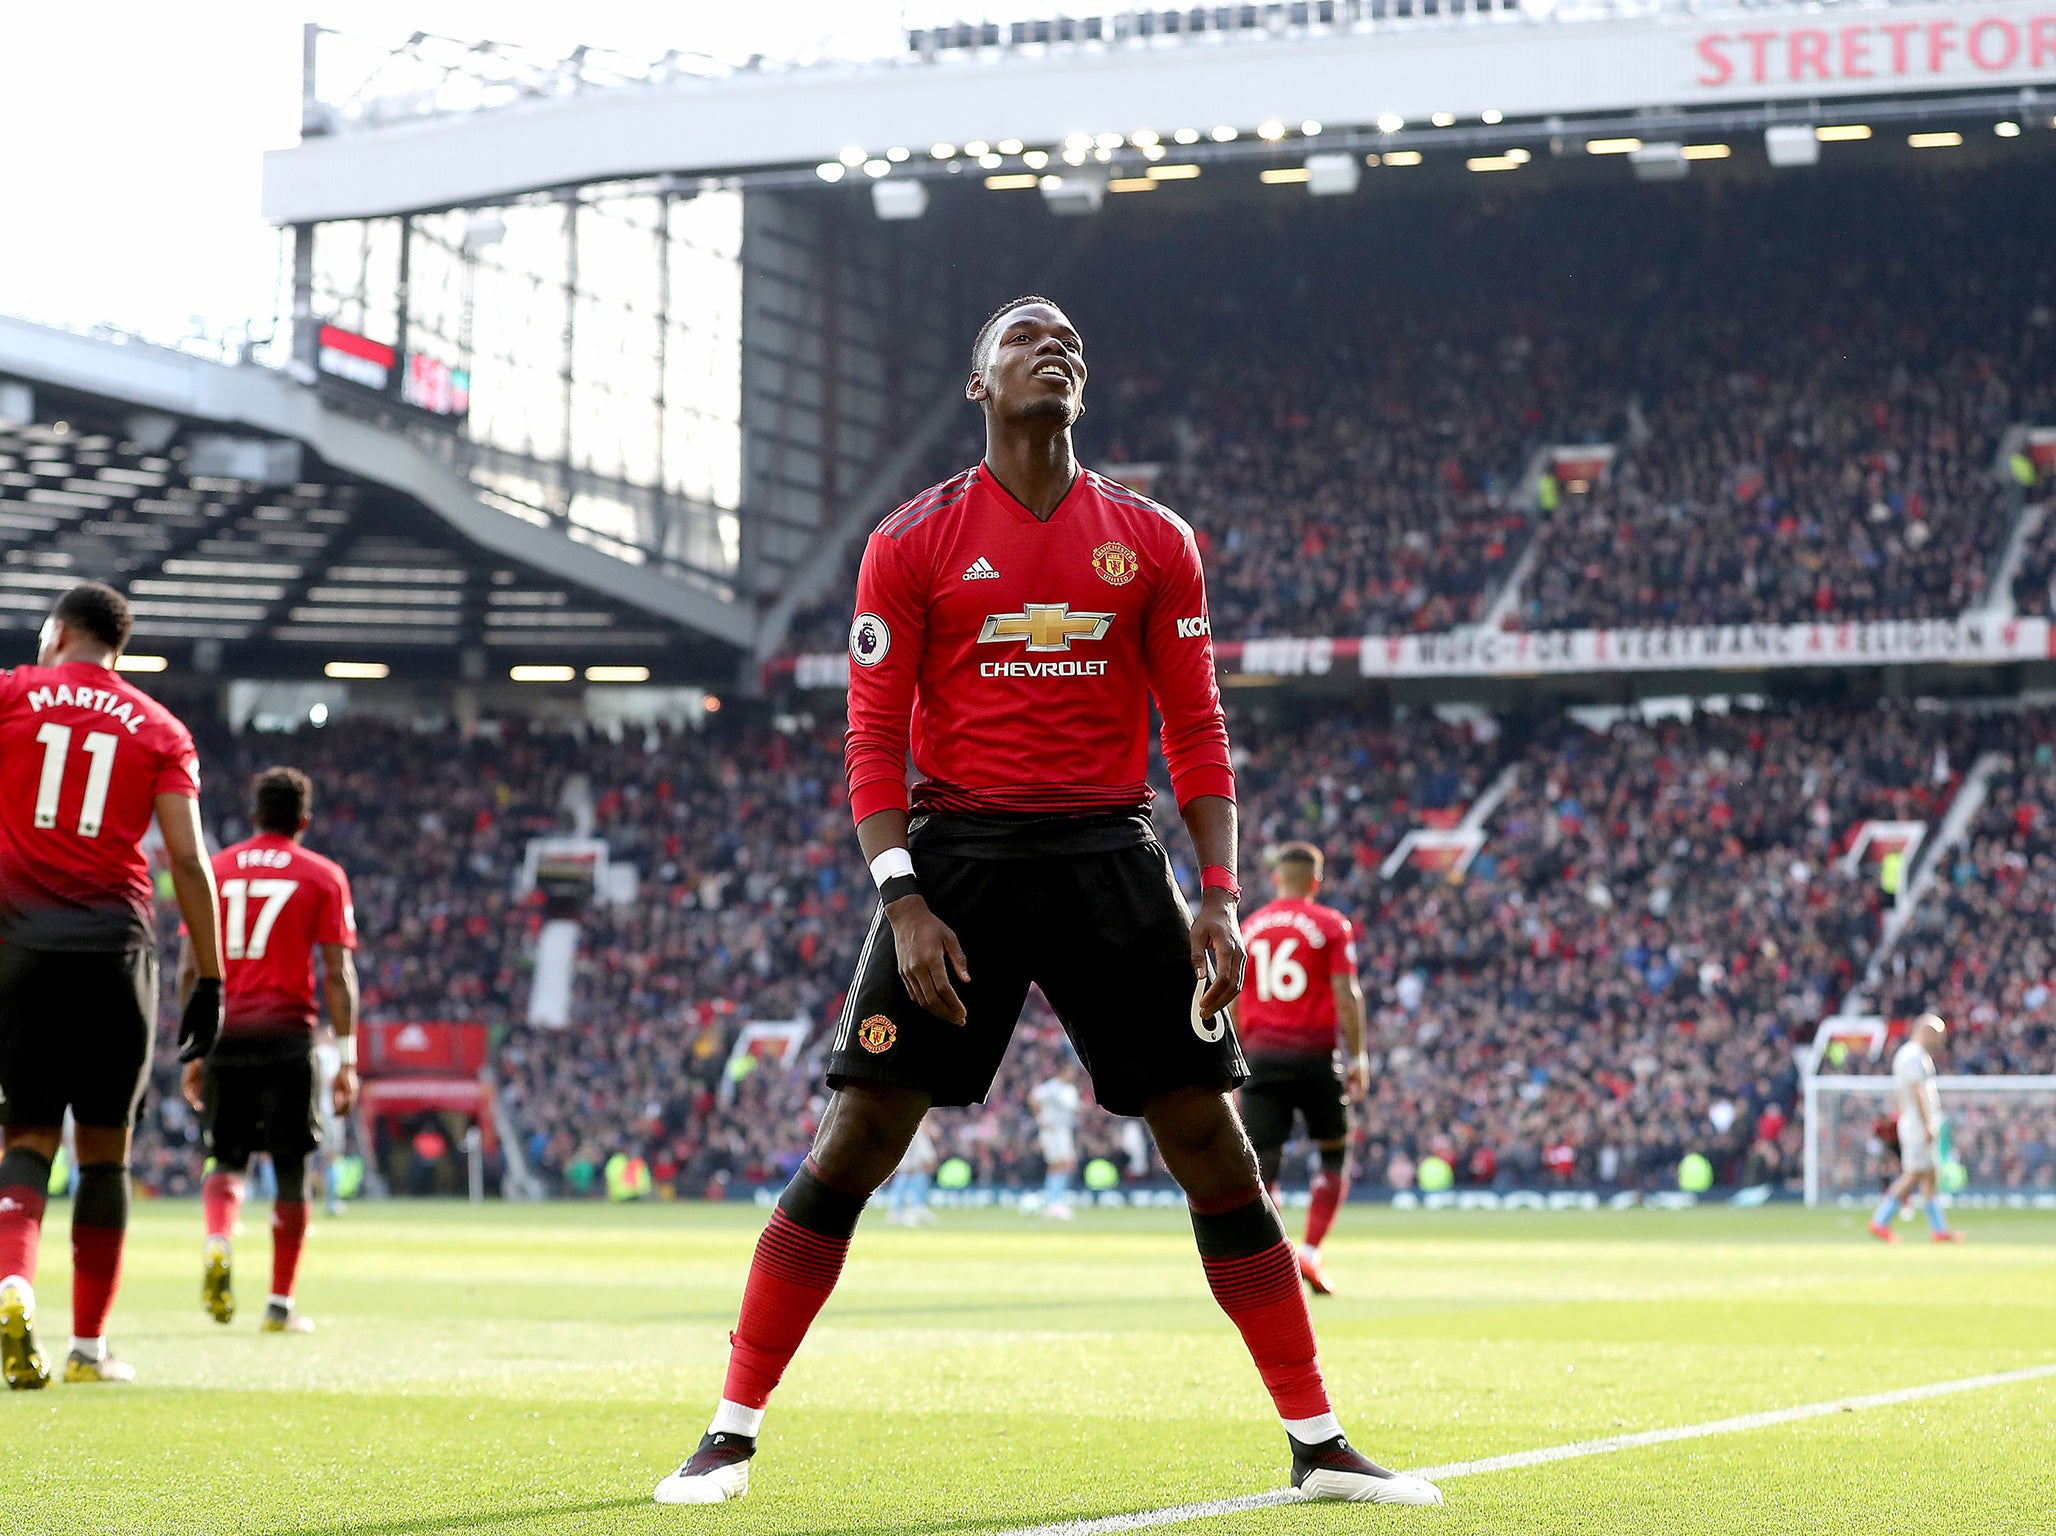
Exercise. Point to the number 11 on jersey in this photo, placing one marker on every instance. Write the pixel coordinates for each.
(99, 746)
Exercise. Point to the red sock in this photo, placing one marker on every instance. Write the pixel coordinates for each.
(791, 1276)
(95, 1273)
(1330, 1190)
(797, 1262)
(21, 1213)
(288, 1234)
(221, 1197)
(99, 1224)
(1251, 1269)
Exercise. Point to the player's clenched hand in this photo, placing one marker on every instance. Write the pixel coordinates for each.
(344, 1092)
(1215, 933)
(928, 951)
(189, 1082)
(1356, 1077)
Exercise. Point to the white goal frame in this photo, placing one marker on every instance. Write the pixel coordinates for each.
(1879, 1086)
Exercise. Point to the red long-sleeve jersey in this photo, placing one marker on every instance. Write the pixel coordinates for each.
(1019, 655)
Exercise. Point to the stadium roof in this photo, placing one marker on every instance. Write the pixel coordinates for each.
(1352, 66)
(260, 533)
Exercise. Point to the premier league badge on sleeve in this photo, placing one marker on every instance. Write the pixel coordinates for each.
(869, 640)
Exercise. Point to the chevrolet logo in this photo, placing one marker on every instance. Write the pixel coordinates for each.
(1045, 626)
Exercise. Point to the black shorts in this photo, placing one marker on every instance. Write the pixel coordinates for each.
(1280, 1085)
(260, 1106)
(1106, 935)
(75, 1033)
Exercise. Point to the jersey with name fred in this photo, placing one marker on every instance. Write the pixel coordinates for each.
(279, 901)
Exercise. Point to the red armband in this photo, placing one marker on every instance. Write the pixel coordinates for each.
(1218, 877)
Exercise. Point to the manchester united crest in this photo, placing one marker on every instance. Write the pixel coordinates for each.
(1117, 564)
(877, 1033)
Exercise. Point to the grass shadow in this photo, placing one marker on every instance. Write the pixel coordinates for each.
(486, 1520)
(483, 1520)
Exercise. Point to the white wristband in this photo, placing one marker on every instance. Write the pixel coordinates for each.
(894, 861)
(346, 1047)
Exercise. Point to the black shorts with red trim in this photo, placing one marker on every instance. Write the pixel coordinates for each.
(76, 1028)
(1281, 1086)
(1105, 933)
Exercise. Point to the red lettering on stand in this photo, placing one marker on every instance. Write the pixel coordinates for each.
(2007, 35)
(1806, 49)
(1898, 32)
(1941, 43)
(1855, 53)
(1719, 68)
(1759, 44)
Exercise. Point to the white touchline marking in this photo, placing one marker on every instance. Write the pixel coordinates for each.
(1178, 1514)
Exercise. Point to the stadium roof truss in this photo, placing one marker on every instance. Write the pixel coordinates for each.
(259, 532)
(439, 124)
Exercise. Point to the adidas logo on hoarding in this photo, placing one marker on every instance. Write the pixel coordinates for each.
(981, 570)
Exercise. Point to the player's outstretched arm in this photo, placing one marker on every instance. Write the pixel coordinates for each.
(1211, 821)
(192, 881)
(925, 945)
(339, 997)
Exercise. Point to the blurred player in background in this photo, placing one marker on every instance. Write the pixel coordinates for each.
(1920, 1132)
(1013, 625)
(1057, 1103)
(908, 1193)
(86, 761)
(332, 1122)
(1302, 985)
(258, 1089)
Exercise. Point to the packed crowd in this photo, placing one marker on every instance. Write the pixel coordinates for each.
(1657, 916)
(1805, 391)
(1981, 950)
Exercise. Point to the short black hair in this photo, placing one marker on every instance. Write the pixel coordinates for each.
(992, 321)
(99, 611)
(280, 799)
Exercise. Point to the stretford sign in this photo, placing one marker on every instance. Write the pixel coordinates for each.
(1890, 48)
(1465, 653)
(1574, 64)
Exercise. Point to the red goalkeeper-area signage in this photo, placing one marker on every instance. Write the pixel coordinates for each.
(422, 1049)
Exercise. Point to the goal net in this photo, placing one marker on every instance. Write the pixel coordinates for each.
(1999, 1135)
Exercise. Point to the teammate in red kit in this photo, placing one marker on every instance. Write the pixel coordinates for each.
(86, 760)
(1302, 984)
(258, 1090)
(1012, 626)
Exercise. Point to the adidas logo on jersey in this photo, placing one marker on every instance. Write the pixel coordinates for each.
(981, 570)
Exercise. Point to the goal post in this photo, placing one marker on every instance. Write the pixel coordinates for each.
(2000, 1132)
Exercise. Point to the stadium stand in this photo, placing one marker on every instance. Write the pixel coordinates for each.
(1806, 393)
(1657, 916)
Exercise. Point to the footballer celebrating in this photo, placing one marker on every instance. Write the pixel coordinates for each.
(1013, 624)
(259, 1088)
(86, 760)
(1302, 984)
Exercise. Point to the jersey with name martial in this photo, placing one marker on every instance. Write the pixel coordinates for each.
(1296, 950)
(278, 902)
(83, 757)
(1017, 656)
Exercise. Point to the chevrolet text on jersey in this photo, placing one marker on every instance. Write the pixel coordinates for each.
(978, 681)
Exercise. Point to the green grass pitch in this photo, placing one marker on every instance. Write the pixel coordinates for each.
(512, 1369)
